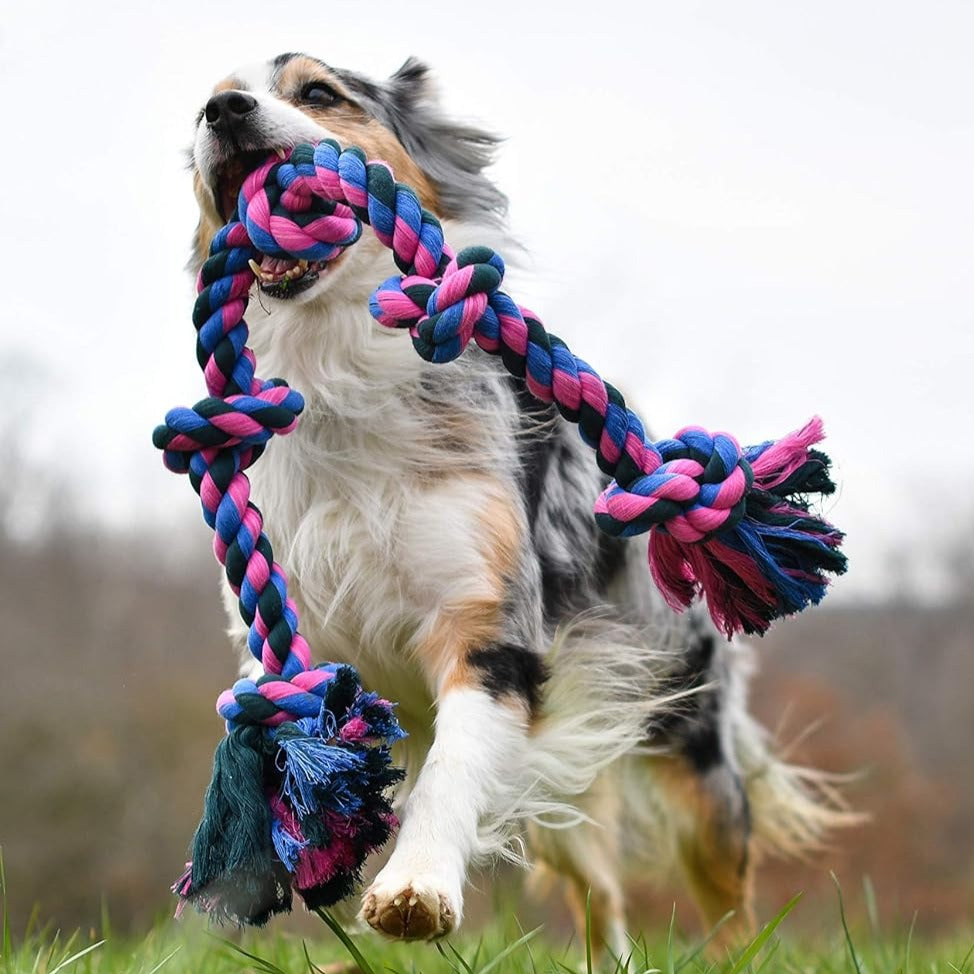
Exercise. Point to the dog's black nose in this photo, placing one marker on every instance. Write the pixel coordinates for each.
(227, 109)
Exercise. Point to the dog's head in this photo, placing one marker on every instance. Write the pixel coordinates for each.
(296, 98)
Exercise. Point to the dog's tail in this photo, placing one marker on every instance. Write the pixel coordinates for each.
(794, 809)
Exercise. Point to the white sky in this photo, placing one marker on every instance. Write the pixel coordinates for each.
(741, 213)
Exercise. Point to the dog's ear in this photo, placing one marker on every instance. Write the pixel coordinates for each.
(412, 82)
(453, 154)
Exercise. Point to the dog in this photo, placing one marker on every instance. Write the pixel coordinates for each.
(436, 522)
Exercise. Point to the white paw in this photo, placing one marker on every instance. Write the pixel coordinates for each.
(419, 908)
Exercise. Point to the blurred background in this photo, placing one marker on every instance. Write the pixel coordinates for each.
(742, 213)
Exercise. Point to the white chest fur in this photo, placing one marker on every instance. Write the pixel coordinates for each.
(374, 503)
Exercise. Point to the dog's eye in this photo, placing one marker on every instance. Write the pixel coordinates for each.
(319, 93)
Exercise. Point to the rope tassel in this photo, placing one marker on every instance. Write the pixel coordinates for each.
(733, 525)
(298, 796)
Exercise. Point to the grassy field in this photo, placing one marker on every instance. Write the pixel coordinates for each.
(504, 948)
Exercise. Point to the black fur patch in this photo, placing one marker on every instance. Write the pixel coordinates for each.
(700, 744)
(511, 669)
(692, 728)
(610, 559)
(536, 448)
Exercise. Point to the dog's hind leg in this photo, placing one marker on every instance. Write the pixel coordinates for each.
(710, 826)
(705, 805)
(586, 857)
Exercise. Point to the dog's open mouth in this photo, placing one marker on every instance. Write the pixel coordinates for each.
(285, 278)
(230, 174)
(277, 277)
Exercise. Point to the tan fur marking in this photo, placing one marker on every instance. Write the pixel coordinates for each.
(228, 84)
(464, 627)
(502, 536)
(209, 222)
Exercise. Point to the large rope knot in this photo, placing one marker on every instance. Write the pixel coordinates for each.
(442, 316)
(696, 486)
(459, 305)
(285, 215)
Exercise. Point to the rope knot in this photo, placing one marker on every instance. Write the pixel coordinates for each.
(697, 485)
(460, 303)
(284, 216)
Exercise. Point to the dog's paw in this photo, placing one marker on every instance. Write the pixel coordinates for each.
(414, 910)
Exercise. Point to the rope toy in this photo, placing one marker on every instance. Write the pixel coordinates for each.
(298, 789)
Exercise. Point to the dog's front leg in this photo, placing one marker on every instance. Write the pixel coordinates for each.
(478, 742)
(485, 687)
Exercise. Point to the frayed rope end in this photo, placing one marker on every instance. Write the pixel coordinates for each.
(771, 555)
(299, 805)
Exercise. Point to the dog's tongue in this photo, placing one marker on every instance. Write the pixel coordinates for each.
(277, 270)
(275, 267)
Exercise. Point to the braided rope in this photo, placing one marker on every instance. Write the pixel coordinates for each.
(732, 524)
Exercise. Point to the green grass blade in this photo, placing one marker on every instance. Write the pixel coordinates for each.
(772, 950)
(313, 968)
(349, 944)
(909, 941)
(475, 960)
(6, 946)
(754, 948)
(702, 946)
(76, 956)
(166, 959)
(872, 911)
(588, 931)
(670, 969)
(268, 967)
(453, 967)
(534, 966)
(845, 925)
(510, 949)
(468, 967)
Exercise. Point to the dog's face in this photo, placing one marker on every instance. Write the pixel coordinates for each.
(296, 98)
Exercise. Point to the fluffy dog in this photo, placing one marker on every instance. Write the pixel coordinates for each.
(437, 527)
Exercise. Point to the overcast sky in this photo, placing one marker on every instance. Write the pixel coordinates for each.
(743, 213)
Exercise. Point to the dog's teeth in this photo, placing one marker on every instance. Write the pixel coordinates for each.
(255, 267)
(281, 153)
(413, 900)
(397, 901)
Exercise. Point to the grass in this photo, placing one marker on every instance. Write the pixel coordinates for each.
(502, 948)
